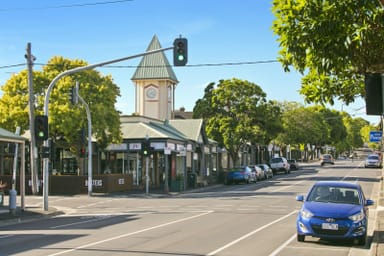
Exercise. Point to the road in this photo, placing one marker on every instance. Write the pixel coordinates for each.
(244, 219)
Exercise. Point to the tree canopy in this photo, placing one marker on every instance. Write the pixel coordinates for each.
(237, 113)
(332, 43)
(65, 120)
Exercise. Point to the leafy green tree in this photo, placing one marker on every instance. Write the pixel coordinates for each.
(304, 126)
(355, 138)
(334, 120)
(65, 120)
(334, 43)
(235, 113)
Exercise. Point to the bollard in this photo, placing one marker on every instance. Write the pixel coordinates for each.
(12, 201)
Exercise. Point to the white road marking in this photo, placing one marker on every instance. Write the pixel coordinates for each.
(249, 234)
(281, 247)
(130, 234)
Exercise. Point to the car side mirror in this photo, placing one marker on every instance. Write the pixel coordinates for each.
(369, 202)
(300, 198)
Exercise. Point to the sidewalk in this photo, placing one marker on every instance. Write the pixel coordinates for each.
(18, 215)
(377, 247)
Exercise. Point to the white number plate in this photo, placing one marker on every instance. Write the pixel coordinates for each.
(331, 226)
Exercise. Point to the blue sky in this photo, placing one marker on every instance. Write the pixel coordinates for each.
(218, 32)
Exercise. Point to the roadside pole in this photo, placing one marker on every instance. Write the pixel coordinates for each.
(46, 112)
(89, 139)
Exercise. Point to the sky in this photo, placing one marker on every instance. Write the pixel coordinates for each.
(226, 39)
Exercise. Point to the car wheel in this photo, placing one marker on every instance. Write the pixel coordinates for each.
(300, 238)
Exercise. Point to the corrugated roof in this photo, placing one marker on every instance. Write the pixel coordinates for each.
(140, 130)
(192, 128)
(154, 66)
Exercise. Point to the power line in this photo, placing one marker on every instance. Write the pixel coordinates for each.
(64, 6)
(191, 65)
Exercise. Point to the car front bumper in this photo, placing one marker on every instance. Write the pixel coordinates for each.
(337, 229)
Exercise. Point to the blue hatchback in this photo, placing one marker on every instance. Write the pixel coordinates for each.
(333, 210)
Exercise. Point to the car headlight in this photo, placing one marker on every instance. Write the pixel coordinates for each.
(305, 213)
(357, 217)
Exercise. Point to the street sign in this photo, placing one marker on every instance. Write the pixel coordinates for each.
(375, 136)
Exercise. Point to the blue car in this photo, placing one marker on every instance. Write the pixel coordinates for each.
(240, 174)
(333, 210)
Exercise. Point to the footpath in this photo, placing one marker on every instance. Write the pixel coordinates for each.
(377, 247)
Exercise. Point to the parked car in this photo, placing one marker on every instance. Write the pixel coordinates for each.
(258, 172)
(374, 161)
(240, 174)
(279, 164)
(326, 159)
(268, 173)
(333, 210)
(293, 164)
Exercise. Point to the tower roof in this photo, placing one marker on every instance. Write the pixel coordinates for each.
(154, 66)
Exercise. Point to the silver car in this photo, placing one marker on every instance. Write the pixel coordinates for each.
(373, 161)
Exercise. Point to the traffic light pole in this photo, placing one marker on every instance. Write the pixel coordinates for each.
(89, 140)
(46, 102)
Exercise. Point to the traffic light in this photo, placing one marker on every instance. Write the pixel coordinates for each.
(180, 52)
(82, 152)
(41, 128)
(73, 95)
(146, 148)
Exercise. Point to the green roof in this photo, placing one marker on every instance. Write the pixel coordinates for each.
(154, 66)
(192, 128)
(139, 130)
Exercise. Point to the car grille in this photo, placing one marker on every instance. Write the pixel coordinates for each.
(340, 232)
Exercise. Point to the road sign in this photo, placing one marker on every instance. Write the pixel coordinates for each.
(375, 136)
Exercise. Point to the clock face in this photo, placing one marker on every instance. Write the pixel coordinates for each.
(151, 93)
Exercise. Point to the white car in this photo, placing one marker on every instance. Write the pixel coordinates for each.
(373, 161)
(280, 164)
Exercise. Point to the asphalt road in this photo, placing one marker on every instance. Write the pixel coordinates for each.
(244, 219)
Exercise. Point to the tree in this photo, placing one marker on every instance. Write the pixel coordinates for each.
(334, 43)
(235, 113)
(355, 138)
(304, 126)
(334, 120)
(65, 121)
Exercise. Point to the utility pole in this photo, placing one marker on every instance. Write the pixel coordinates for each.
(90, 169)
(31, 102)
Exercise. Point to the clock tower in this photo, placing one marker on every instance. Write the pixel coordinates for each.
(155, 84)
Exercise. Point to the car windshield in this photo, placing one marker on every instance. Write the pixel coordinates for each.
(373, 157)
(276, 160)
(329, 194)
